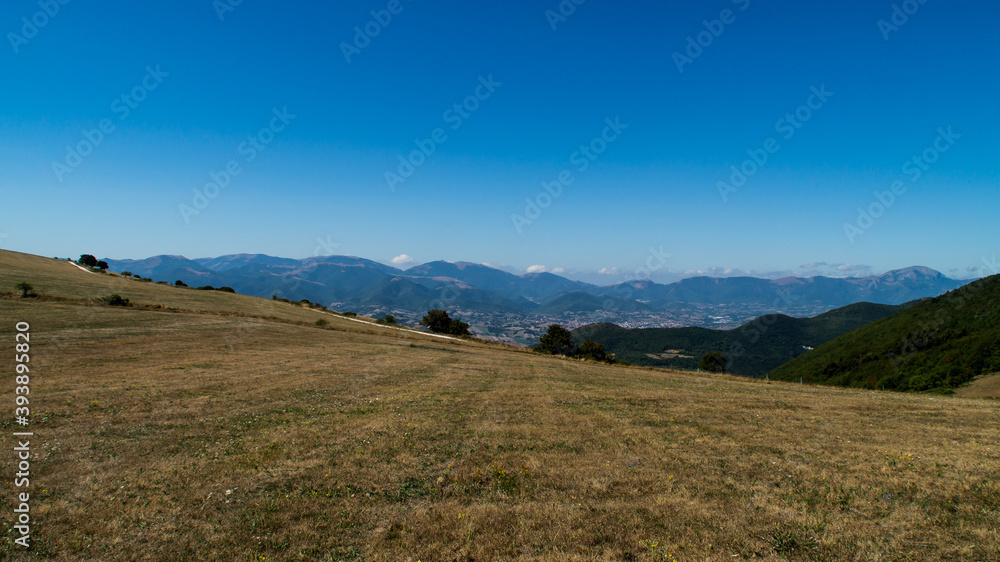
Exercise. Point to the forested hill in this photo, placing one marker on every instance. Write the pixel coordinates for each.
(752, 349)
(940, 343)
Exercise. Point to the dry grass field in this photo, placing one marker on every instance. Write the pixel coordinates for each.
(222, 427)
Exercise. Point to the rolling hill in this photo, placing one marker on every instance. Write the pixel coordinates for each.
(752, 349)
(199, 425)
(940, 343)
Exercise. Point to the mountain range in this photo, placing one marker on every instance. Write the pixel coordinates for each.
(352, 283)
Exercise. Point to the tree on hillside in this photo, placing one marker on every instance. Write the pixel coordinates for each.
(459, 328)
(713, 362)
(87, 260)
(556, 341)
(126, 274)
(25, 289)
(439, 322)
(180, 283)
(103, 265)
(590, 349)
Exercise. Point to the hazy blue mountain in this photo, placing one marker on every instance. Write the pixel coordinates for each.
(894, 287)
(579, 301)
(161, 267)
(533, 286)
(343, 280)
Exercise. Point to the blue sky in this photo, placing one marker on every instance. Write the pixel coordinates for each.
(312, 116)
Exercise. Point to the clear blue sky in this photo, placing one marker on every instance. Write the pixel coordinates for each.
(217, 81)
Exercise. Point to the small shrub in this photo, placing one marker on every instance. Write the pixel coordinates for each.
(206, 288)
(350, 314)
(116, 300)
(227, 289)
(713, 362)
(321, 322)
(180, 283)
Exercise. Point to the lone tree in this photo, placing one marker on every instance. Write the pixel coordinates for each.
(25, 289)
(103, 265)
(713, 362)
(439, 322)
(87, 260)
(180, 283)
(556, 341)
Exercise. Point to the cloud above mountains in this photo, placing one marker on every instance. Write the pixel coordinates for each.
(402, 259)
(543, 269)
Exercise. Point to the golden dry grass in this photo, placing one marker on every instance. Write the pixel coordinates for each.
(983, 387)
(214, 436)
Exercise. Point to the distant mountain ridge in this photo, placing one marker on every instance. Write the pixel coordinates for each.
(347, 281)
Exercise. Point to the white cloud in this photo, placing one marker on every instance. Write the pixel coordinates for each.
(558, 270)
(537, 269)
(402, 260)
(813, 265)
(609, 271)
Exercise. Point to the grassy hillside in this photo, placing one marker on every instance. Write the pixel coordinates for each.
(223, 427)
(941, 343)
(752, 349)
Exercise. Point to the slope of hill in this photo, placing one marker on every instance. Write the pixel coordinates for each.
(752, 349)
(940, 343)
(227, 427)
(579, 301)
